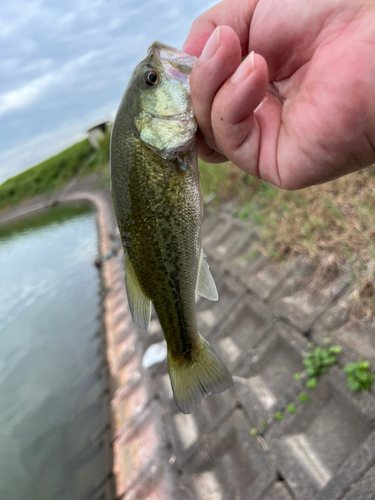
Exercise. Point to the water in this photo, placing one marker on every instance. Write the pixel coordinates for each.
(49, 410)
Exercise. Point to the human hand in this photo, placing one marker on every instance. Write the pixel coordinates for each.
(301, 110)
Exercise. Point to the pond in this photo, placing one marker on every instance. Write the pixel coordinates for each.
(50, 411)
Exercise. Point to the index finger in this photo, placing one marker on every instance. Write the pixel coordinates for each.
(234, 13)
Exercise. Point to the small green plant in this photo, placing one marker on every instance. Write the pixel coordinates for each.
(254, 432)
(291, 408)
(297, 376)
(319, 359)
(359, 376)
(312, 383)
(303, 397)
(279, 416)
(264, 425)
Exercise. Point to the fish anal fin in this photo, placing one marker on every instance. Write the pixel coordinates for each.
(205, 283)
(139, 304)
(193, 380)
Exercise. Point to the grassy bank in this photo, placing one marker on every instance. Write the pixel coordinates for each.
(78, 160)
(334, 223)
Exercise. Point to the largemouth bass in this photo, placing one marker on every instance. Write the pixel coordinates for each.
(158, 204)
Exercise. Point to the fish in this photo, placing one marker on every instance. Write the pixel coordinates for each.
(157, 200)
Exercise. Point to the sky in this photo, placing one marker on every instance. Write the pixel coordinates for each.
(65, 65)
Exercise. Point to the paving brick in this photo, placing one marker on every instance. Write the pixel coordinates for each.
(298, 303)
(114, 318)
(242, 330)
(333, 318)
(126, 405)
(157, 483)
(277, 492)
(233, 237)
(364, 489)
(125, 373)
(328, 443)
(265, 382)
(188, 431)
(245, 259)
(230, 465)
(119, 352)
(209, 219)
(219, 227)
(264, 282)
(163, 386)
(359, 336)
(210, 313)
(155, 330)
(139, 448)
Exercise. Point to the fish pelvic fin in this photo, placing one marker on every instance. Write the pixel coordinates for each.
(139, 304)
(195, 379)
(205, 283)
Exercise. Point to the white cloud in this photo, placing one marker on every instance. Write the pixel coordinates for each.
(29, 93)
(67, 18)
(22, 97)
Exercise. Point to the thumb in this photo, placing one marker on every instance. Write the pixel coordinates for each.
(236, 14)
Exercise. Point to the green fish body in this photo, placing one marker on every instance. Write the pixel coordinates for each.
(158, 204)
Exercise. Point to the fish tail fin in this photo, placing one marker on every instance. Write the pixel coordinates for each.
(195, 379)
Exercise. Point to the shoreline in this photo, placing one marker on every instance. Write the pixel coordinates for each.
(100, 200)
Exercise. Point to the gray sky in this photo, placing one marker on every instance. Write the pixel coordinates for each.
(65, 65)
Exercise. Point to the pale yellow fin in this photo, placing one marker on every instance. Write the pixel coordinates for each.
(139, 304)
(205, 283)
(203, 375)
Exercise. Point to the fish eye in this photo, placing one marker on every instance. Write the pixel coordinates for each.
(152, 78)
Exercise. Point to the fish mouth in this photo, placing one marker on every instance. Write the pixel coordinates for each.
(171, 56)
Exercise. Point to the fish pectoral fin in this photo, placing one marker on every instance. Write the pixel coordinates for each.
(205, 283)
(192, 381)
(139, 304)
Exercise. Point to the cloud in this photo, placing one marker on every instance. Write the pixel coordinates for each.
(29, 93)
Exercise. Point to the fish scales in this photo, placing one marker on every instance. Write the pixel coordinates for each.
(162, 216)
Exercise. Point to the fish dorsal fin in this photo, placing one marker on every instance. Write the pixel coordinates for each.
(205, 283)
(139, 304)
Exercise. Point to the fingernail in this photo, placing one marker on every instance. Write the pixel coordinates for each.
(211, 46)
(244, 69)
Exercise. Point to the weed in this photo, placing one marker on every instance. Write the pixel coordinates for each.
(254, 432)
(320, 359)
(312, 383)
(359, 376)
(291, 408)
(278, 416)
(303, 397)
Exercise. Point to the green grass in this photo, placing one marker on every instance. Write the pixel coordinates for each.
(78, 160)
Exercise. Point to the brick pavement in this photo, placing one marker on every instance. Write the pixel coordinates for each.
(261, 326)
